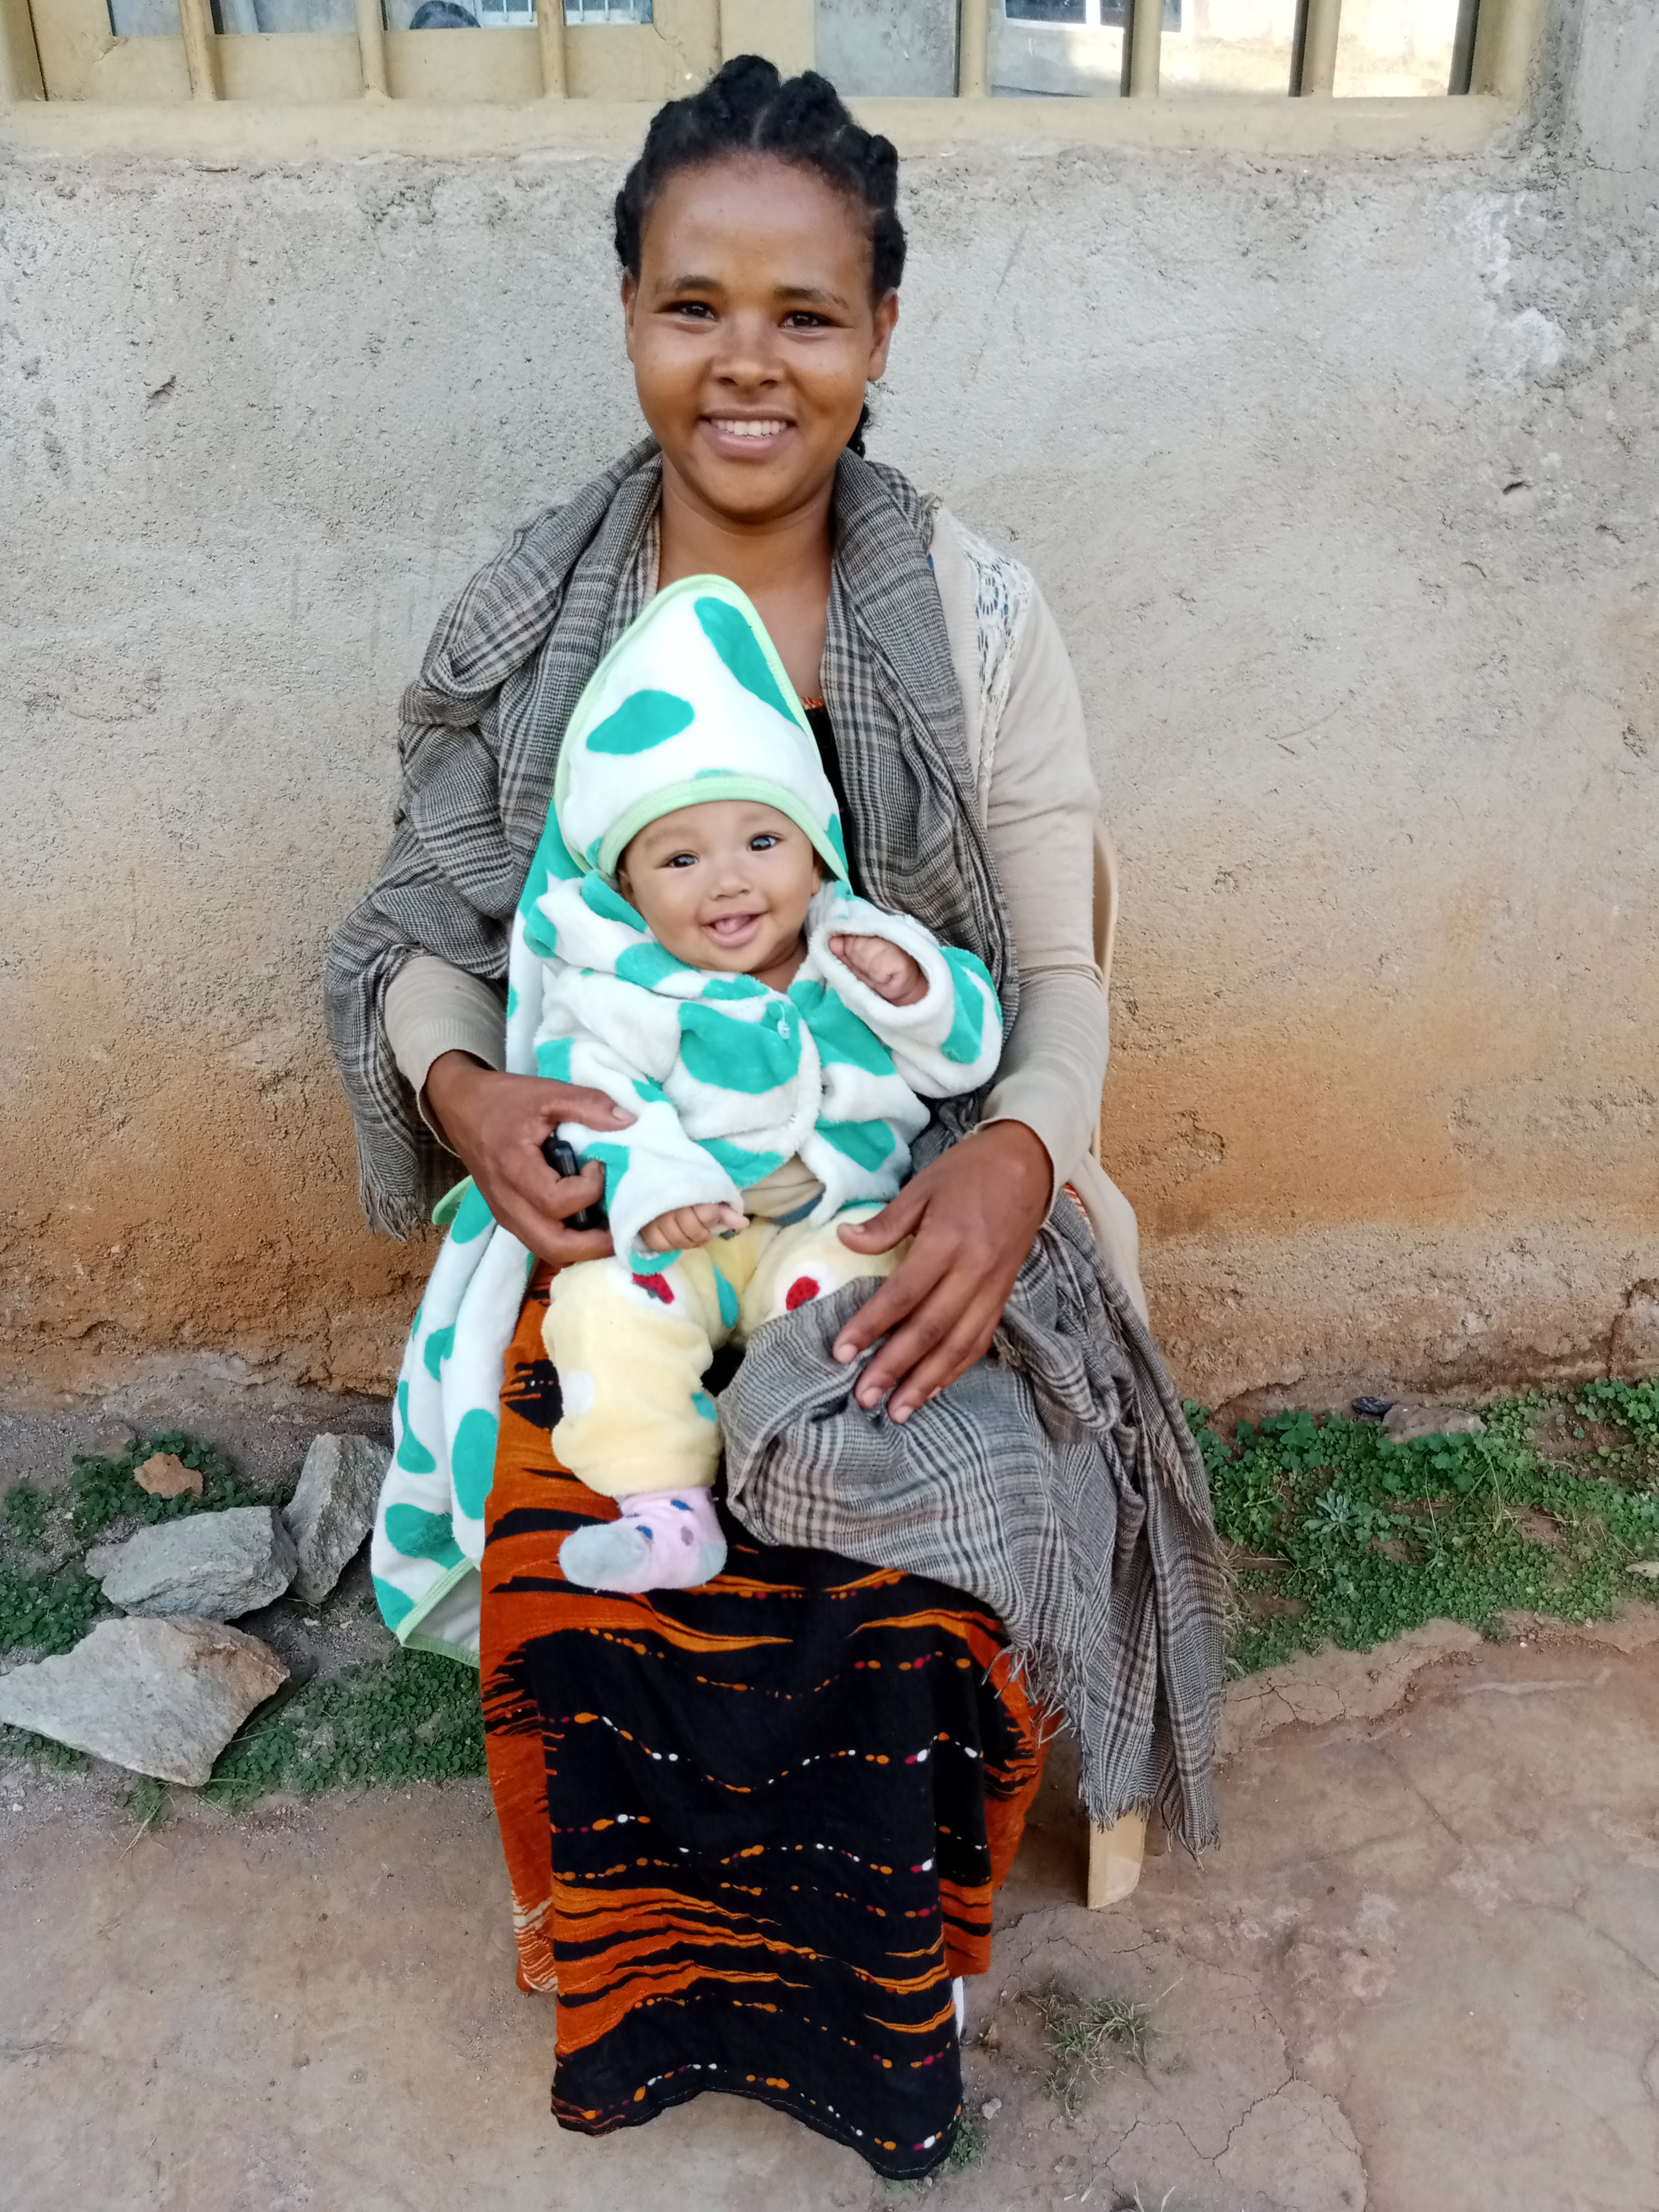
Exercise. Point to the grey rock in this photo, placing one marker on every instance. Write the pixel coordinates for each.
(215, 1565)
(1405, 1424)
(333, 1509)
(161, 1697)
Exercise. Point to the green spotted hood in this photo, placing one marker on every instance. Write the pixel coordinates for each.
(691, 704)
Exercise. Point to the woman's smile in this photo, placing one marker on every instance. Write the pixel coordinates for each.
(748, 434)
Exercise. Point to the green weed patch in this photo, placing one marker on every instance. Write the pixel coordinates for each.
(47, 1605)
(46, 1611)
(27, 1508)
(410, 1716)
(103, 1491)
(1344, 1537)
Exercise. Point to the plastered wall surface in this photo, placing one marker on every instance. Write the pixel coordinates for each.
(1342, 476)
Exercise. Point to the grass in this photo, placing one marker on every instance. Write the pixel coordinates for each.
(103, 1491)
(149, 1801)
(967, 2146)
(411, 1716)
(1082, 2035)
(48, 1611)
(23, 1743)
(26, 1508)
(1347, 1537)
(48, 1599)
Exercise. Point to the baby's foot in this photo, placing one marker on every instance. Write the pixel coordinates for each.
(665, 1539)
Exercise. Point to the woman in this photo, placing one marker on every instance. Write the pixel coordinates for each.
(753, 1831)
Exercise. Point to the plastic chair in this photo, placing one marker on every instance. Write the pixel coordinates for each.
(1115, 1853)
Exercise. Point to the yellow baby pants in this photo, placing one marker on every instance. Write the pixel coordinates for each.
(631, 1350)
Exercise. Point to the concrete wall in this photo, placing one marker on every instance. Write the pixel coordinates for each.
(1341, 476)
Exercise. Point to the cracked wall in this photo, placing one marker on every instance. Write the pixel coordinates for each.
(1340, 475)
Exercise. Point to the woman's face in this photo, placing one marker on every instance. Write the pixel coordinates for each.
(752, 332)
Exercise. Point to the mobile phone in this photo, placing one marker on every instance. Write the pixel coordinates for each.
(562, 1158)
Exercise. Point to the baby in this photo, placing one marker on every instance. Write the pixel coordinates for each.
(775, 1035)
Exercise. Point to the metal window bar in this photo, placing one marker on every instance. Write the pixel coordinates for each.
(1313, 49)
(973, 50)
(201, 55)
(1462, 61)
(1143, 46)
(371, 48)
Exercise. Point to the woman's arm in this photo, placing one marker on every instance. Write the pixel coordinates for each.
(1040, 818)
(446, 1031)
(976, 1212)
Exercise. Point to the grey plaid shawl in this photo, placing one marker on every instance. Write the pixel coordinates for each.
(1057, 1481)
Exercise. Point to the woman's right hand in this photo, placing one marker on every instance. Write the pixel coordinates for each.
(497, 1124)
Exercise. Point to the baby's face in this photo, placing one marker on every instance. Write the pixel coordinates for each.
(724, 885)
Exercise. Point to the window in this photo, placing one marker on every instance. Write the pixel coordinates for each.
(1377, 74)
(1384, 49)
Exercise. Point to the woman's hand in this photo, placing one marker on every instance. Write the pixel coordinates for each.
(497, 1124)
(975, 1214)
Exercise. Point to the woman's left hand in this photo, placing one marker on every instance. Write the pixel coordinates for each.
(975, 1214)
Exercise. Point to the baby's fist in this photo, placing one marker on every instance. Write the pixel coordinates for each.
(883, 968)
(684, 1227)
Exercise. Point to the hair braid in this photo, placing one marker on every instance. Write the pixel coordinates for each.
(749, 108)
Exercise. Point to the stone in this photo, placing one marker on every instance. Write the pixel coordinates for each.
(215, 1565)
(332, 1509)
(161, 1697)
(1648, 1569)
(164, 1474)
(113, 1441)
(1404, 1425)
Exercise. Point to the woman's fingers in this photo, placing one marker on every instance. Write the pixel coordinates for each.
(895, 1221)
(539, 1217)
(888, 1308)
(968, 1341)
(918, 1340)
(571, 1102)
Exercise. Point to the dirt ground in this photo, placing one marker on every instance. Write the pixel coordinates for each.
(1421, 1975)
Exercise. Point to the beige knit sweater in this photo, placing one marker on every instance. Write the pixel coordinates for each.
(1038, 800)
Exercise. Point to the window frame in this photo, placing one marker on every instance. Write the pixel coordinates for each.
(265, 95)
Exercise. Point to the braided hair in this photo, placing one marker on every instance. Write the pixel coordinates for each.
(749, 108)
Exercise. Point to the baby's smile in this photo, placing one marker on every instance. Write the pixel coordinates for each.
(729, 930)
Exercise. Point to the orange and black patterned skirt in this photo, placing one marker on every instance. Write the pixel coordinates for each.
(752, 1830)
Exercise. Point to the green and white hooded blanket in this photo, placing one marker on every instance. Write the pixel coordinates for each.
(727, 1079)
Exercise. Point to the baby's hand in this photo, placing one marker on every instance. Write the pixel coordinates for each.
(685, 1227)
(890, 972)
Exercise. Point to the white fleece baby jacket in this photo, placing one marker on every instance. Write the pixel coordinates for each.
(727, 1078)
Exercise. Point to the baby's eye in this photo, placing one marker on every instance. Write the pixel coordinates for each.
(681, 861)
(762, 841)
